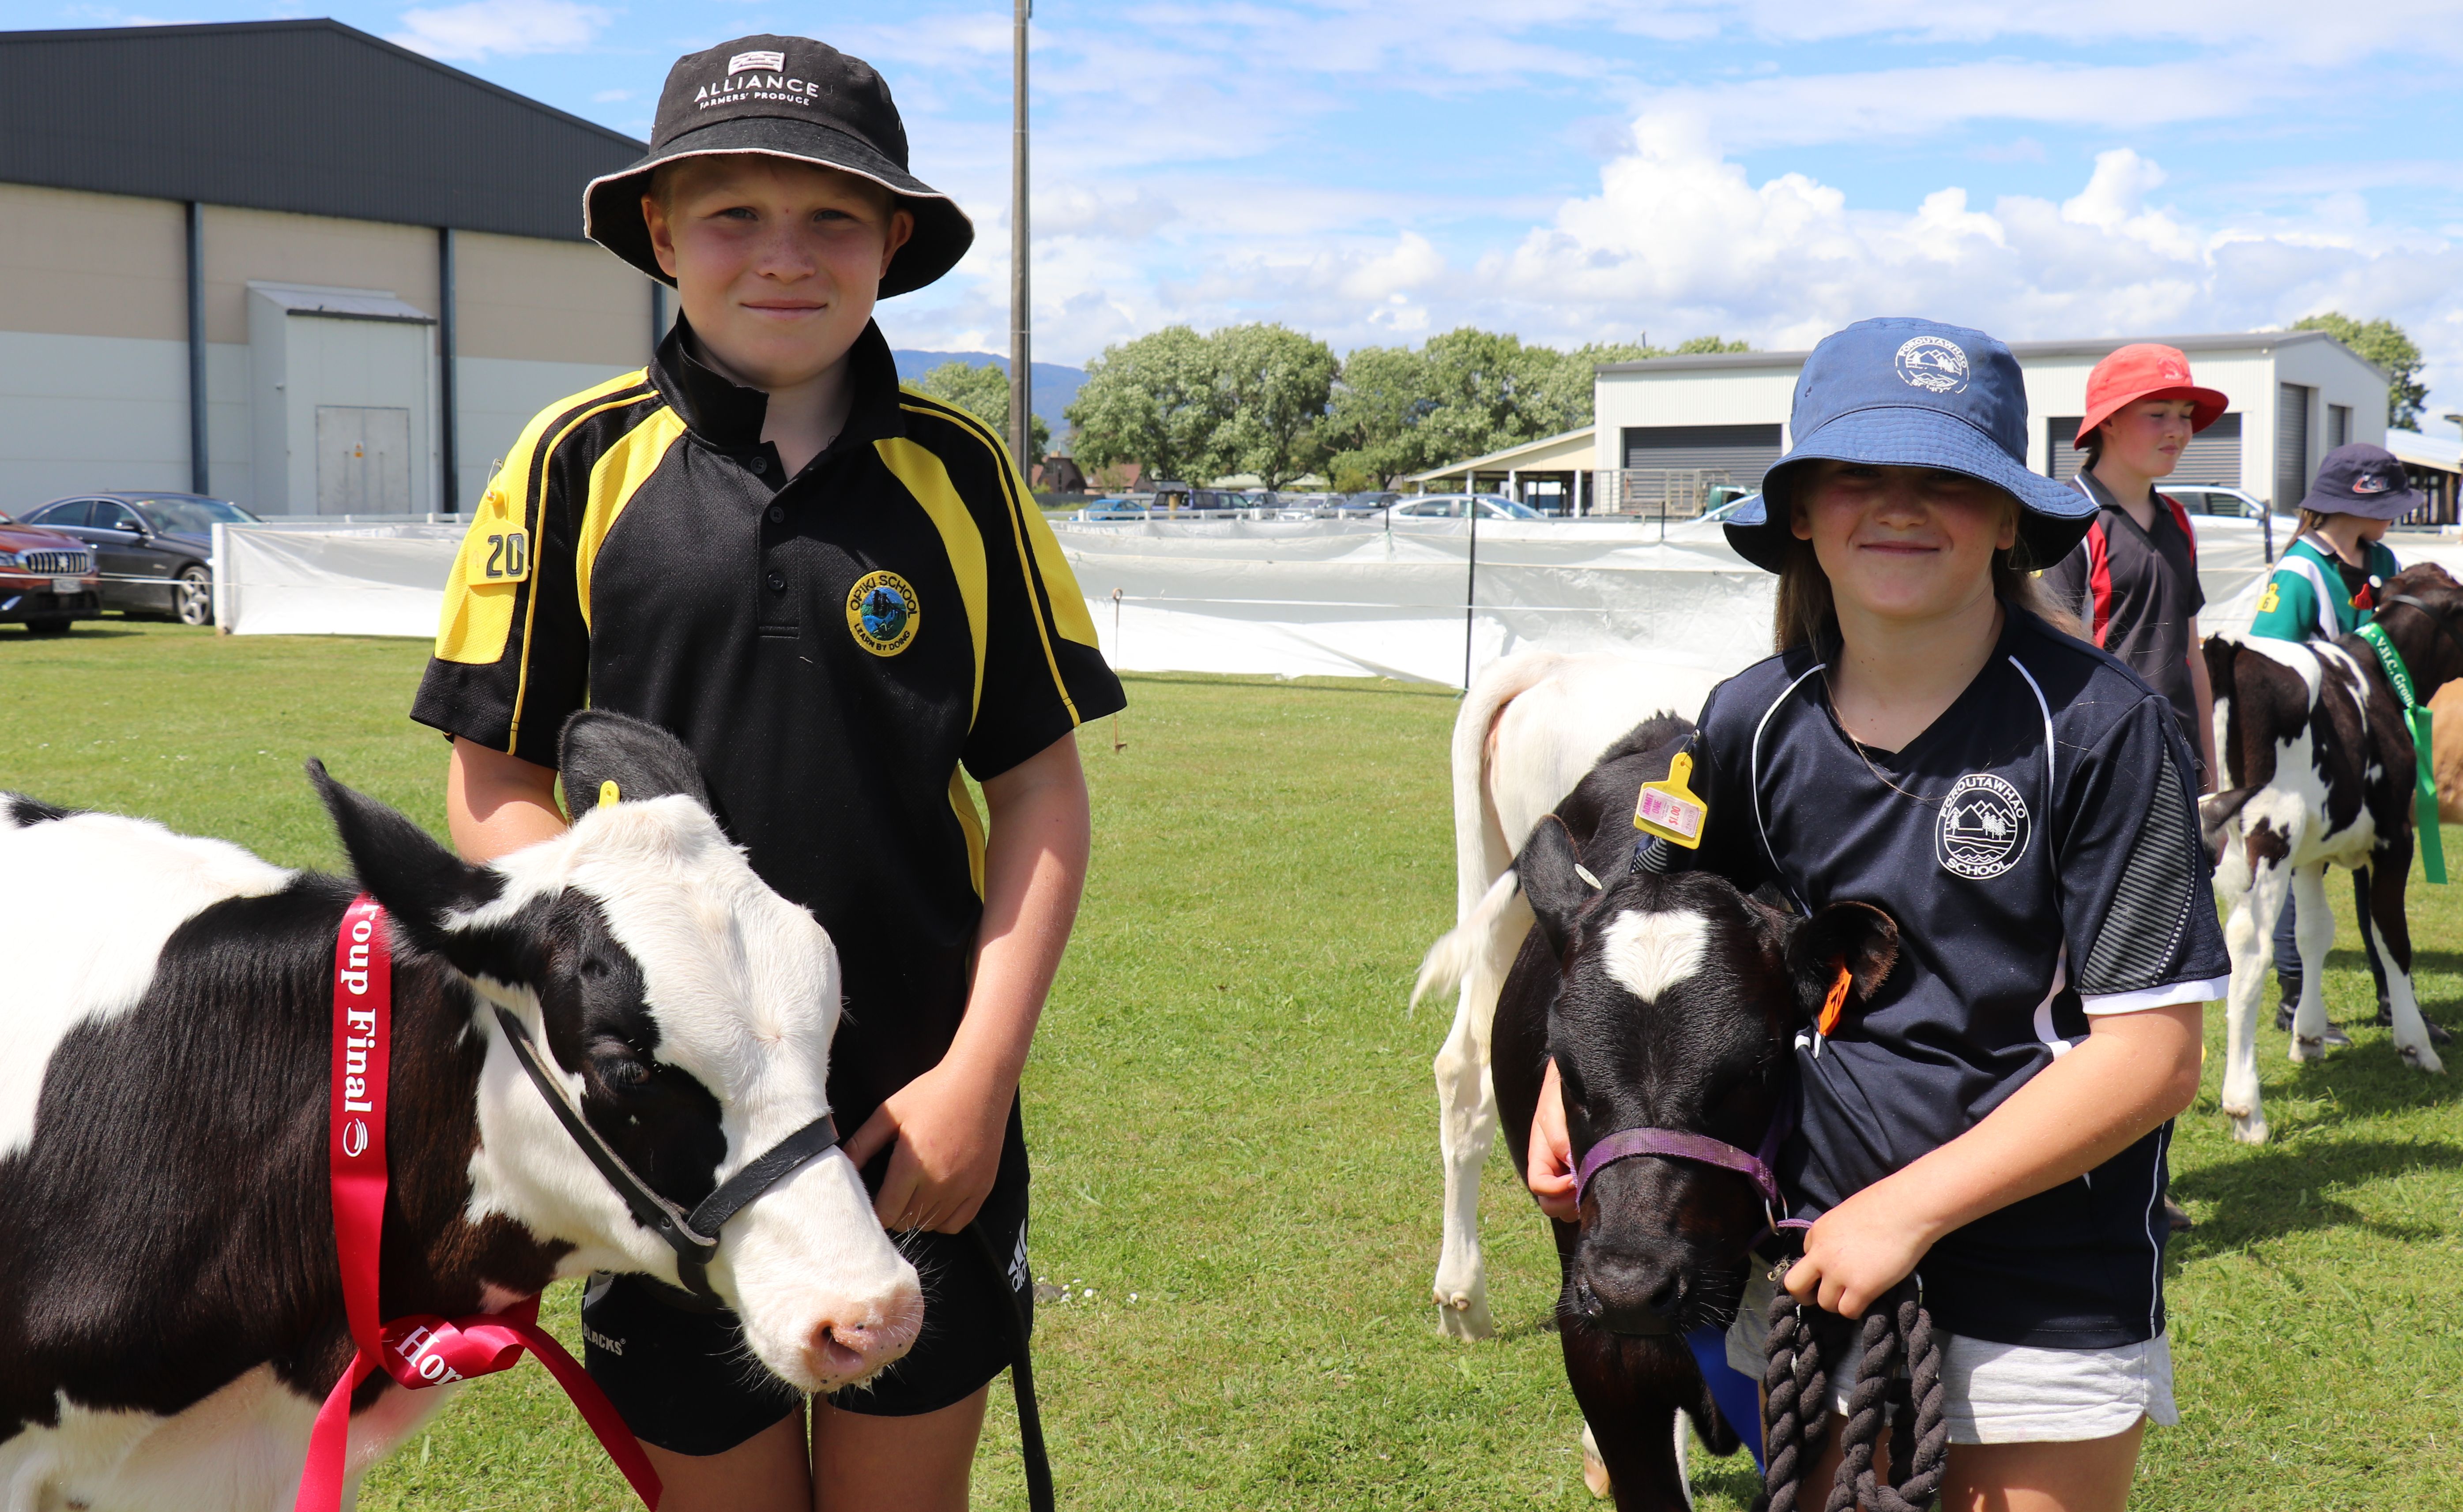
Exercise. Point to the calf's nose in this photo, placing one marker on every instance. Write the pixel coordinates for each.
(1625, 1292)
(852, 1340)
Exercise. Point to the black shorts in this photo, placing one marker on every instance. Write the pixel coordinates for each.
(685, 1382)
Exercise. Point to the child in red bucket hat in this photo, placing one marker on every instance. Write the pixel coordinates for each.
(2133, 581)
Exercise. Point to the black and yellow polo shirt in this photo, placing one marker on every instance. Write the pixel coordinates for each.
(833, 647)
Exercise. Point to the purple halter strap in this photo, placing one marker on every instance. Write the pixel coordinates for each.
(1678, 1144)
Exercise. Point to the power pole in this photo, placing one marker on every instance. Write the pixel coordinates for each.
(1021, 365)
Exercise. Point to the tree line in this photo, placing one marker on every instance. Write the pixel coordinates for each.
(1266, 400)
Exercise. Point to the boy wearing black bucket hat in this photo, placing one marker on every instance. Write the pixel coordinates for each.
(1992, 1115)
(841, 596)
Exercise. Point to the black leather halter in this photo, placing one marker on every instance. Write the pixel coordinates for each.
(693, 1236)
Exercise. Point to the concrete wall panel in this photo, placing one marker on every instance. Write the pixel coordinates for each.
(99, 264)
(498, 398)
(554, 302)
(80, 413)
(277, 248)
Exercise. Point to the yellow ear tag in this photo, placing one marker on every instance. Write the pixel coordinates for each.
(1669, 809)
(607, 795)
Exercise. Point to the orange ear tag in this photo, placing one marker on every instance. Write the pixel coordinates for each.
(1832, 1006)
(1669, 809)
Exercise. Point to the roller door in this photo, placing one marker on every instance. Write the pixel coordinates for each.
(2213, 455)
(2291, 445)
(1744, 452)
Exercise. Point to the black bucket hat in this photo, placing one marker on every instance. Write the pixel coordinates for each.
(2364, 479)
(1914, 394)
(782, 96)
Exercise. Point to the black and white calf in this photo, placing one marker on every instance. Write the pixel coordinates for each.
(1668, 1003)
(170, 1302)
(2318, 772)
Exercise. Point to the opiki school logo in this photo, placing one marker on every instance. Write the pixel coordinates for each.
(1934, 364)
(883, 613)
(1983, 828)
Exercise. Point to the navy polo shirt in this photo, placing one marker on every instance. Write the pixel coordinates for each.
(2038, 847)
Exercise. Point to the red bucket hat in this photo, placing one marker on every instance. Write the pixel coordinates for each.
(2145, 370)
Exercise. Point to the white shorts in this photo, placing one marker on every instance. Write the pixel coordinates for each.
(2006, 1393)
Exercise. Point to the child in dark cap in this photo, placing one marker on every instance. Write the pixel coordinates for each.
(838, 594)
(2325, 586)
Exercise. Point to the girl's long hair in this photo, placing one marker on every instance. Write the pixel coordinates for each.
(1806, 615)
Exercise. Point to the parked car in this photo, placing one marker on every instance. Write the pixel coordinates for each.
(1114, 507)
(1172, 497)
(1371, 501)
(1456, 506)
(155, 550)
(47, 580)
(2210, 498)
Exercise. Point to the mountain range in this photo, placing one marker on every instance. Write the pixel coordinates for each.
(1055, 385)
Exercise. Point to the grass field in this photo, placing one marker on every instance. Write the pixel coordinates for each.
(1233, 1120)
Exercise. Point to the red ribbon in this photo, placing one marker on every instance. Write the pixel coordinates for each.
(417, 1351)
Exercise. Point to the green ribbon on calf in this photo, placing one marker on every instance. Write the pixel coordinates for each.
(2416, 715)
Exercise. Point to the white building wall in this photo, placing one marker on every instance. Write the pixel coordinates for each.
(81, 413)
(498, 396)
(1759, 394)
(1737, 396)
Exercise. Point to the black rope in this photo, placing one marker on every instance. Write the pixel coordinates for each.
(1029, 1414)
(1897, 1336)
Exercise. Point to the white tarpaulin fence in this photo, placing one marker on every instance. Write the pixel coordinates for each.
(1287, 598)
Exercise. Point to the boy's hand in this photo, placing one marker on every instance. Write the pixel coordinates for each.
(1550, 1177)
(944, 1130)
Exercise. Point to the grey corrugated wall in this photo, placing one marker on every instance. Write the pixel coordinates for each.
(305, 115)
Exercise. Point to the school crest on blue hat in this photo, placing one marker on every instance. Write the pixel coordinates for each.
(1935, 364)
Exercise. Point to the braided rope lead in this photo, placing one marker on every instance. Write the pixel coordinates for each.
(1796, 1416)
(1921, 1350)
(1792, 1376)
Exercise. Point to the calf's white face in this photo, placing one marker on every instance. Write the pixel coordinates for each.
(687, 1010)
(737, 999)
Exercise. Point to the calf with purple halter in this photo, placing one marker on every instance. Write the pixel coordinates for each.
(1667, 1004)
(171, 1308)
(2320, 771)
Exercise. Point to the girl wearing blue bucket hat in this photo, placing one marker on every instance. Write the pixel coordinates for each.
(1995, 1119)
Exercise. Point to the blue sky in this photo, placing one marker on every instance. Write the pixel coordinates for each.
(1374, 171)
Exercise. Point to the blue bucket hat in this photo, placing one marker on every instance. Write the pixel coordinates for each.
(1907, 393)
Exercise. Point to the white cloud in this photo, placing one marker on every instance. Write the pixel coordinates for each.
(500, 28)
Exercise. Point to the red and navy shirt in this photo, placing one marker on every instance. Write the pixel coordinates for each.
(2136, 593)
(2038, 847)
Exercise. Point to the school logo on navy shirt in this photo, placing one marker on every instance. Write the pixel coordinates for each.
(1983, 828)
(1934, 364)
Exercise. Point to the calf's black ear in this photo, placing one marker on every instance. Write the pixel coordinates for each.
(608, 757)
(1550, 871)
(420, 882)
(1857, 936)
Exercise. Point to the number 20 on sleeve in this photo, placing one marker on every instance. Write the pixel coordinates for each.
(1667, 808)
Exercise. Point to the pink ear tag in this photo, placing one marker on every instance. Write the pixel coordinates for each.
(1667, 808)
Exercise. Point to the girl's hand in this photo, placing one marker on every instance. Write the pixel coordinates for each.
(1550, 1177)
(1858, 1250)
(946, 1127)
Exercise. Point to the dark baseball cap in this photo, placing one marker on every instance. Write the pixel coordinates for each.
(1909, 393)
(782, 96)
(2364, 479)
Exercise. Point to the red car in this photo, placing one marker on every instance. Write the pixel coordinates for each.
(47, 579)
